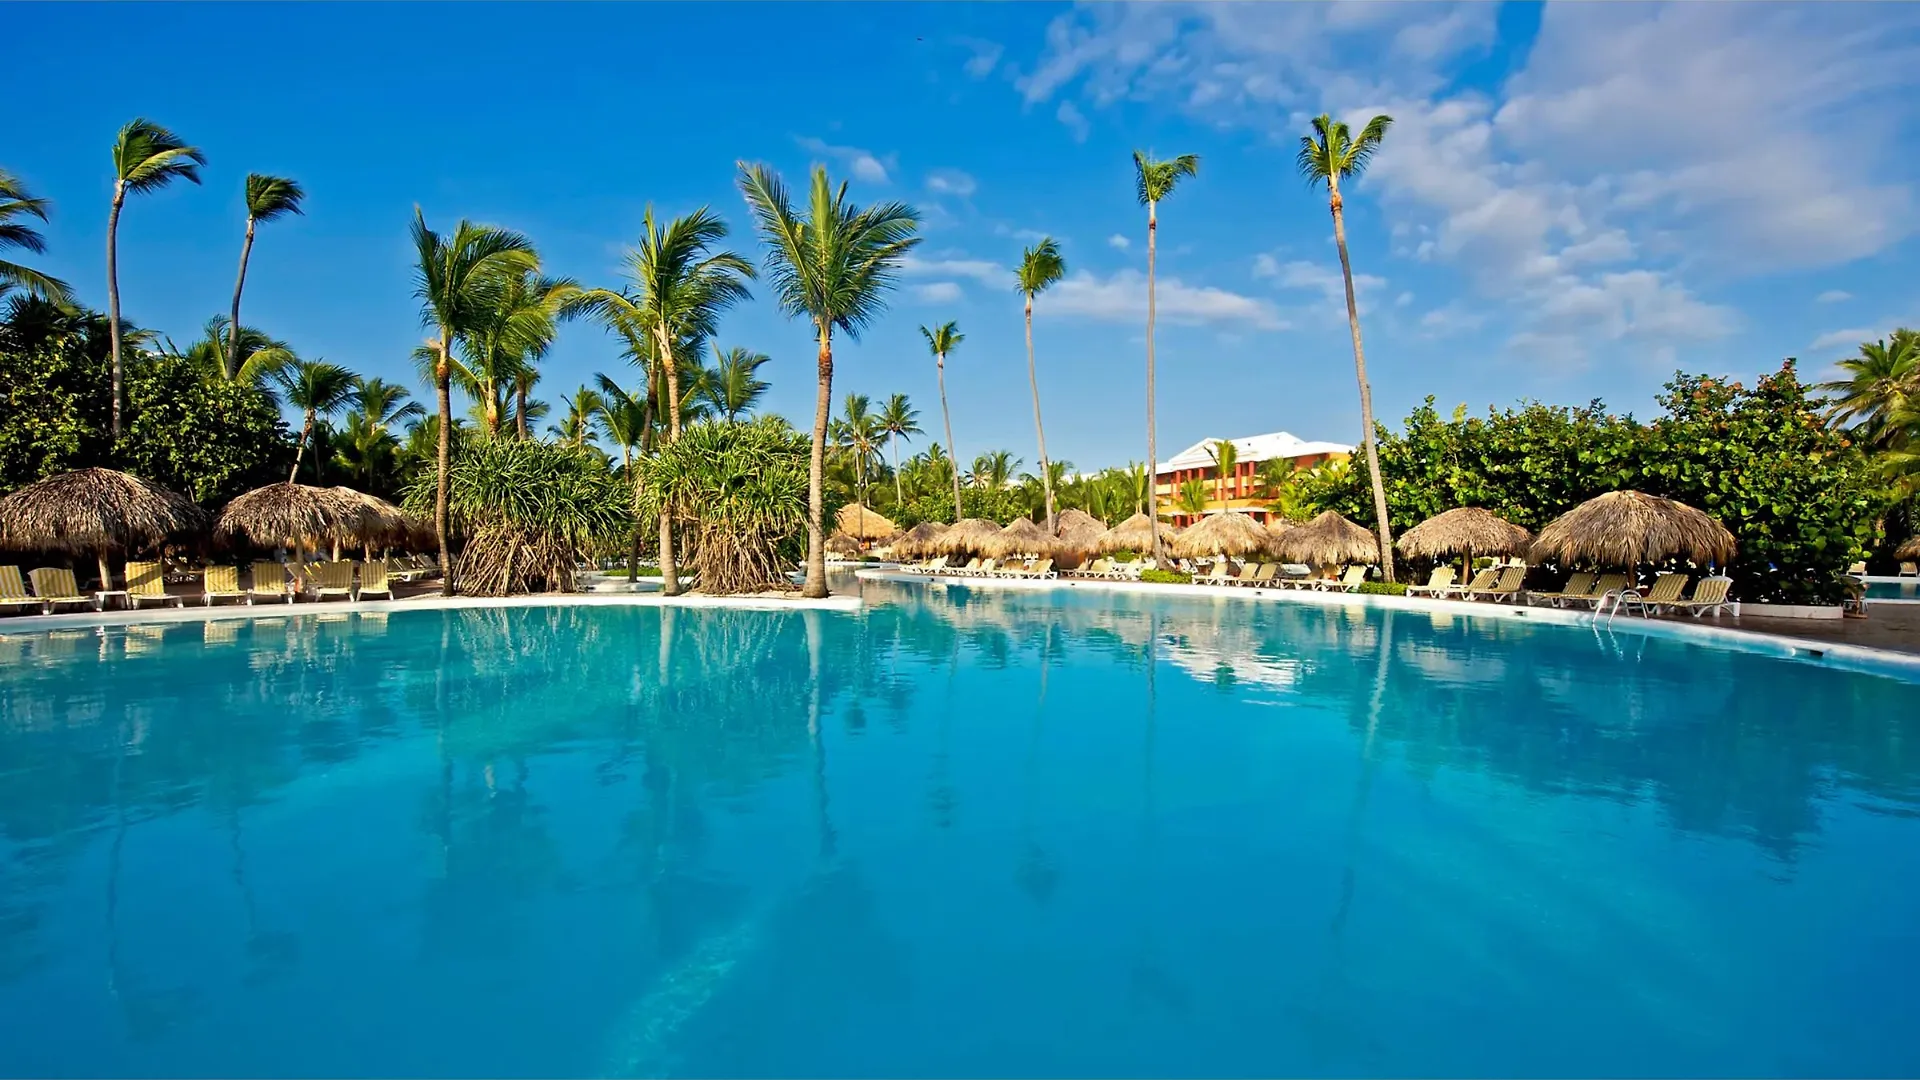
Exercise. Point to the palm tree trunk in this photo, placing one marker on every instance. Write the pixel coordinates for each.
(232, 365)
(520, 410)
(946, 418)
(443, 459)
(893, 443)
(1384, 528)
(300, 447)
(1153, 478)
(816, 584)
(1033, 380)
(113, 294)
(669, 569)
(633, 547)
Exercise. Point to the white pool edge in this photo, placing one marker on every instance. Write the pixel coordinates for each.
(1905, 666)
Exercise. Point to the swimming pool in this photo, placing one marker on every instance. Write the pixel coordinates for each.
(1885, 589)
(962, 832)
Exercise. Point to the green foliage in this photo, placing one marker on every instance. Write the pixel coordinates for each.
(741, 491)
(1000, 506)
(1166, 577)
(1382, 588)
(207, 438)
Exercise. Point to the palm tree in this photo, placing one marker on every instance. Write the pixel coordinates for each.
(1154, 180)
(268, 197)
(1193, 496)
(1884, 380)
(17, 204)
(734, 388)
(900, 421)
(993, 469)
(1327, 156)
(582, 408)
(146, 158)
(834, 267)
(1225, 457)
(858, 433)
(246, 356)
(942, 340)
(625, 418)
(1040, 266)
(500, 353)
(384, 404)
(317, 389)
(459, 280)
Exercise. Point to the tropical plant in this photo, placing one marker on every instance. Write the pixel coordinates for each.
(247, 357)
(500, 351)
(834, 267)
(624, 418)
(365, 451)
(16, 205)
(1329, 155)
(1040, 267)
(146, 158)
(742, 488)
(578, 427)
(1882, 382)
(459, 280)
(1192, 498)
(899, 420)
(993, 469)
(384, 404)
(733, 388)
(267, 198)
(317, 389)
(942, 340)
(1154, 180)
(1225, 457)
(858, 435)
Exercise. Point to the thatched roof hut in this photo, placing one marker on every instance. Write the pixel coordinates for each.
(1226, 533)
(969, 536)
(1133, 534)
(863, 524)
(1329, 540)
(1022, 537)
(375, 519)
(1466, 530)
(842, 544)
(1908, 550)
(1630, 528)
(1277, 527)
(918, 542)
(1077, 534)
(292, 514)
(95, 511)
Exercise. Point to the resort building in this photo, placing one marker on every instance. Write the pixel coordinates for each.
(1240, 490)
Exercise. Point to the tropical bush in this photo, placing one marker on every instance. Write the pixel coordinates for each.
(527, 510)
(1382, 588)
(1002, 505)
(739, 493)
(1166, 577)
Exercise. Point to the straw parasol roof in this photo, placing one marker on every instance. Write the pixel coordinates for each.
(863, 524)
(286, 513)
(968, 536)
(1022, 537)
(918, 542)
(94, 511)
(842, 544)
(1908, 550)
(1329, 540)
(1133, 534)
(1277, 527)
(1464, 529)
(1628, 528)
(1226, 533)
(376, 519)
(1077, 533)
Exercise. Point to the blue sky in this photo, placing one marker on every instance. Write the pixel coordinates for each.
(1574, 200)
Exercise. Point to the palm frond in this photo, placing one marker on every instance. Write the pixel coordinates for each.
(147, 157)
(1040, 267)
(269, 197)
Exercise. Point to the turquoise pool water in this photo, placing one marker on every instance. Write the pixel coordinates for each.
(960, 834)
(1893, 590)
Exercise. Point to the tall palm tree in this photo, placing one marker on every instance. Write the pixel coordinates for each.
(1881, 382)
(582, 408)
(17, 204)
(994, 468)
(1225, 457)
(833, 266)
(246, 356)
(1193, 496)
(146, 158)
(1154, 180)
(317, 389)
(900, 421)
(942, 340)
(459, 280)
(384, 404)
(500, 353)
(734, 388)
(268, 197)
(1040, 266)
(858, 433)
(625, 418)
(1329, 155)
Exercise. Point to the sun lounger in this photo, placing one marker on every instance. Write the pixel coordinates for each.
(1666, 589)
(1606, 586)
(1220, 573)
(1858, 569)
(55, 587)
(330, 579)
(1258, 575)
(1441, 578)
(1347, 582)
(1709, 595)
(1482, 581)
(221, 583)
(1038, 569)
(373, 579)
(1578, 587)
(931, 566)
(13, 591)
(985, 568)
(270, 582)
(1508, 587)
(145, 584)
(1908, 569)
(972, 565)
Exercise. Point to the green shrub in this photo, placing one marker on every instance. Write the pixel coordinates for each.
(1382, 588)
(1167, 577)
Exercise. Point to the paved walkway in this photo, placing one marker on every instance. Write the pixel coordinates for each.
(1887, 626)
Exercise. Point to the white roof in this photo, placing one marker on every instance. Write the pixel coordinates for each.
(1278, 444)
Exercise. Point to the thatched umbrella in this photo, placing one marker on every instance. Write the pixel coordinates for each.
(1466, 531)
(375, 519)
(1329, 540)
(95, 511)
(968, 536)
(1908, 550)
(918, 542)
(1022, 537)
(1226, 533)
(1629, 528)
(863, 524)
(1077, 534)
(292, 515)
(1277, 527)
(842, 544)
(1133, 534)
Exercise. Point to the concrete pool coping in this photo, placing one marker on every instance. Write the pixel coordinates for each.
(1863, 658)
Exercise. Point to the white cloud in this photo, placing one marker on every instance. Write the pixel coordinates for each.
(1833, 296)
(1314, 277)
(862, 163)
(1403, 299)
(1119, 242)
(981, 270)
(1070, 115)
(1122, 298)
(1843, 339)
(952, 182)
(986, 54)
(938, 292)
(1451, 319)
